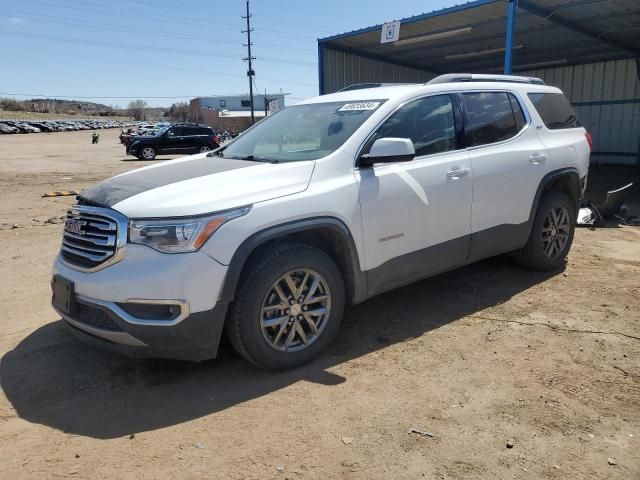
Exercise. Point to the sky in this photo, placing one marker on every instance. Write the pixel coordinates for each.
(177, 49)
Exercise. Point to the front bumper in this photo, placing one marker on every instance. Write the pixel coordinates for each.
(122, 307)
(194, 338)
(131, 149)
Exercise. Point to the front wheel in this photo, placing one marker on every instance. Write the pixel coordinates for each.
(148, 153)
(552, 233)
(288, 307)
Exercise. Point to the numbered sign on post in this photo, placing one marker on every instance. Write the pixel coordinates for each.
(390, 32)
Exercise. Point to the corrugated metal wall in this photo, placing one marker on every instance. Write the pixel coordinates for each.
(606, 97)
(342, 69)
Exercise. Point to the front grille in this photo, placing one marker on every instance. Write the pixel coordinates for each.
(94, 317)
(89, 238)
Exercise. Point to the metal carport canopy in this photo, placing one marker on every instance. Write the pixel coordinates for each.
(472, 37)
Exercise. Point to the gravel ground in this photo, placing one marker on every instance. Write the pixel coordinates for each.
(514, 374)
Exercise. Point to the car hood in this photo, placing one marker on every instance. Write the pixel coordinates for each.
(197, 185)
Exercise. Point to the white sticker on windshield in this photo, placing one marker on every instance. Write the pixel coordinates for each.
(359, 106)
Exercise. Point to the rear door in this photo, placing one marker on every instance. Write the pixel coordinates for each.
(508, 163)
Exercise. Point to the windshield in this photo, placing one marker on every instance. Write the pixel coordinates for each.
(302, 132)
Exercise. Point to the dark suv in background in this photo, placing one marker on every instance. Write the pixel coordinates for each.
(182, 139)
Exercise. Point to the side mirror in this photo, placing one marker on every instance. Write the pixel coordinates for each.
(389, 150)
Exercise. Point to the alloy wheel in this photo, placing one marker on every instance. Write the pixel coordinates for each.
(295, 310)
(555, 232)
(204, 149)
(148, 153)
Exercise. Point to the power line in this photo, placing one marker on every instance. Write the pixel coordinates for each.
(190, 9)
(161, 67)
(105, 44)
(88, 24)
(166, 18)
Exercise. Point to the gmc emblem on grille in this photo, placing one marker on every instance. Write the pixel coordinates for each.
(74, 225)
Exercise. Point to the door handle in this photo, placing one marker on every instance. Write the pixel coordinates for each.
(538, 158)
(458, 172)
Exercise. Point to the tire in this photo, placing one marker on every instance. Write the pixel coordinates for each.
(148, 153)
(551, 235)
(260, 325)
(204, 149)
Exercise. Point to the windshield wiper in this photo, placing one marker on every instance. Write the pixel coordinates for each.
(249, 158)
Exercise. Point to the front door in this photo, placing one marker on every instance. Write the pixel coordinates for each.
(416, 215)
(173, 141)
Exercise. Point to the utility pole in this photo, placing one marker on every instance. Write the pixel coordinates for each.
(249, 58)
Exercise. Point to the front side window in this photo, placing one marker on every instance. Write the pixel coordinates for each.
(555, 110)
(429, 123)
(302, 132)
(490, 117)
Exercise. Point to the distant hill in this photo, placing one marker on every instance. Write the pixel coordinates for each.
(81, 108)
(59, 106)
(54, 105)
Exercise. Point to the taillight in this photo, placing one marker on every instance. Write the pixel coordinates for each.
(216, 139)
(589, 139)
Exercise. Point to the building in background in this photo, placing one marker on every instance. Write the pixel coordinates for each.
(233, 112)
(588, 48)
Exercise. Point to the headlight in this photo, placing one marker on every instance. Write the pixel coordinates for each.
(179, 235)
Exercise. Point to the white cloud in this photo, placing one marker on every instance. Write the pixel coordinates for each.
(15, 20)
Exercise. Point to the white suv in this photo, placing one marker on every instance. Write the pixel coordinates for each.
(325, 203)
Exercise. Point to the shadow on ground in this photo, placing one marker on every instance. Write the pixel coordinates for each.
(53, 380)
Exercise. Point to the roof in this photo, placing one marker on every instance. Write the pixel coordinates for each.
(471, 37)
(410, 90)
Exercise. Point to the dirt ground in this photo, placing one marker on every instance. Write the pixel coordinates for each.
(478, 357)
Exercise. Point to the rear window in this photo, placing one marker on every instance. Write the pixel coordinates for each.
(555, 110)
(196, 131)
(491, 116)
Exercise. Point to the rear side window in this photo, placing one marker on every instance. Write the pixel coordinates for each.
(555, 110)
(493, 116)
(176, 132)
(517, 112)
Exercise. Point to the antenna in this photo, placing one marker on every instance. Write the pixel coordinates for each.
(249, 58)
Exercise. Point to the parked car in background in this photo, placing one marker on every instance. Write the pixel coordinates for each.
(184, 138)
(5, 128)
(22, 128)
(44, 127)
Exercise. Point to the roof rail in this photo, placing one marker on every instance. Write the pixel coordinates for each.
(481, 77)
(360, 86)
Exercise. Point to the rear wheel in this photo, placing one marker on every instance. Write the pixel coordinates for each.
(204, 149)
(148, 153)
(552, 233)
(288, 307)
